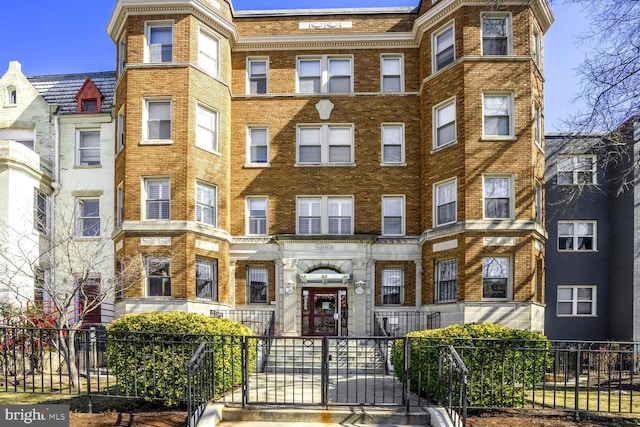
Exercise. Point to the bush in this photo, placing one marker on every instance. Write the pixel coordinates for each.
(149, 353)
(502, 362)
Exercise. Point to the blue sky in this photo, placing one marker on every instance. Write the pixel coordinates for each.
(69, 36)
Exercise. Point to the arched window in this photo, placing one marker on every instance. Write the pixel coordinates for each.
(12, 95)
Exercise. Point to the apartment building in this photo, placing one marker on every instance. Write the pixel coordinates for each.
(56, 171)
(330, 164)
(592, 276)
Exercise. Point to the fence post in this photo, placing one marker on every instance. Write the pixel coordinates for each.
(577, 385)
(87, 351)
(325, 372)
(245, 369)
(405, 373)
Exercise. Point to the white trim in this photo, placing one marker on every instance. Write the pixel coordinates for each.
(575, 235)
(436, 124)
(325, 143)
(324, 72)
(435, 204)
(511, 105)
(148, 25)
(508, 176)
(574, 300)
(145, 120)
(212, 146)
(509, 290)
(402, 144)
(203, 31)
(434, 36)
(508, 28)
(401, 198)
(248, 215)
(398, 56)
(324, 201)
(249, 145)
(250, 60)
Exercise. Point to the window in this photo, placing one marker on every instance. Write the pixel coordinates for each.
(391, 66)
(21, 136)
(393, 143)
(495, 34)
(257, 286)
(497, 115)
(122, 54)
(257, 74)
(119, 205)
(257, 216)
(158, 273)
(121, 131)
(577, 170)
(445, 202)
(446, 281)
(119, 280)
(495, 277)
(325, 74)
(11, 95)
(208, 53)
(536, 49)
(576, 301)
(88, 148)
(41, 212)
(158, 117)
(498, 196)
(88, 217)
(258, 150)
(393, 215)
(206, 204)
(206, 129)
(538, 203)
(206, 279)
(392, 286)
(324, 144)
(577, 235)
(158, 197)
(537, 124)
(89, 105)
(444, 123)
(325, 215)
(159, 42)
(443, 48)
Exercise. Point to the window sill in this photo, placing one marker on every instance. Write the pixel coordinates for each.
(257, 165)
(156, 142)
(578, 251)
(498, 138)
(88, 238)
(442, 147)
(209, 150)
(87, 166)
(387, 165)
(10, 105)
(315, 165)
(576, 315)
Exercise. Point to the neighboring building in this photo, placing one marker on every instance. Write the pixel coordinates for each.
(330, 164)
(56, 170)
(592, 271)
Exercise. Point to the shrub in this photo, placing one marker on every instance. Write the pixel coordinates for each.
(501, 362)
(149, 353)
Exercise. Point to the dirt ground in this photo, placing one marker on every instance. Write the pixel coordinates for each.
(508, 419)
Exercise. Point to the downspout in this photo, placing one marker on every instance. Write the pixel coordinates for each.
(55, 186)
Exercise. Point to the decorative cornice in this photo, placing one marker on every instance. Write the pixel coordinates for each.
(400, 40)
(171, 227)
(484, 226)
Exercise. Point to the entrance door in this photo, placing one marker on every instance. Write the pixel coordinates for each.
(324, 312)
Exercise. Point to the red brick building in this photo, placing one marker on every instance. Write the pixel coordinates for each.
(331, 164)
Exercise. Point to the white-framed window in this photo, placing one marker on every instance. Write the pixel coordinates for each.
(41, 211)
(325, 144)
(496, 34)
(393, 215)
(257, 145)
(121, 131)
(445, 202)
(538, 207)
(159, 42)
(11, 95)
(391, 67)
(87, 217)
(208, 52)
(577, 170)
(157, 125)
(576, 300)
(446, 281)
(325, 215)
(498, 196)
(119, 205)
(444, 124)
(206, 129)
(157, 193)
(443, 47)
(537, 124)
(496, 278)
(206, 279)
(577, 235)
(257, 216)
(325, 74)
(88, 148)
(257, 285)
(206, 204)
(158, 276)
(25, 137)
(122, 54)
(536, 48)
(497, 115)
(393, 143)
(392, 286)
(257, 75)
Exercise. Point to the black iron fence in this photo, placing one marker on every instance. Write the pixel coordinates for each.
(390, 323)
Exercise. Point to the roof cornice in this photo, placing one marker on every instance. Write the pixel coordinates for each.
(322, 41)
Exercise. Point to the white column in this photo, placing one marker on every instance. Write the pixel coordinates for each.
(419, 273)
(289, 291)
(358, 319)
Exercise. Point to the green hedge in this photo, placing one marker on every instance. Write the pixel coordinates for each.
(502, 362)
(149, 353)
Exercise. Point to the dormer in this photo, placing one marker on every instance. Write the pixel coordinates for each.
(89, 98)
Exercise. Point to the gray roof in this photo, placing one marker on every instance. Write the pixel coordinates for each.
(61, 89)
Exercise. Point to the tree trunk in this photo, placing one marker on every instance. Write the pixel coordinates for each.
(68, 348)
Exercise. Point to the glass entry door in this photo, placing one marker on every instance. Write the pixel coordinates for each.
(324, 312)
